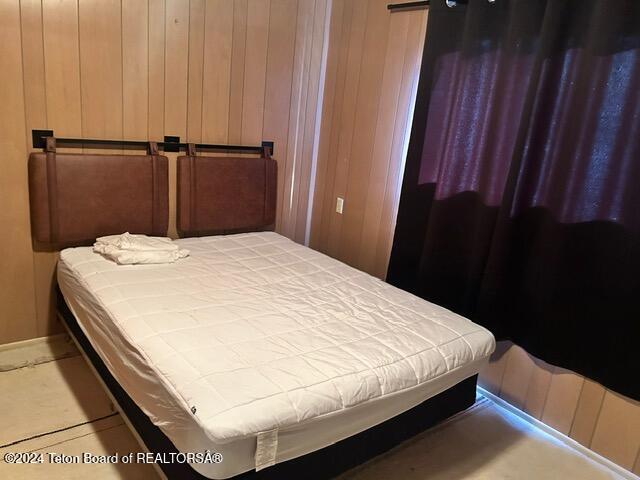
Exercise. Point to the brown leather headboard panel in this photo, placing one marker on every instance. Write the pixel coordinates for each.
(78, 197)
(225, 194)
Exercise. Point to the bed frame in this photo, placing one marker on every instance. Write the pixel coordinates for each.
(77, 197)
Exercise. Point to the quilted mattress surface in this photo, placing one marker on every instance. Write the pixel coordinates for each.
(254, 332)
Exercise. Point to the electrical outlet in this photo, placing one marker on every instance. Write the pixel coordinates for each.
(339, 205)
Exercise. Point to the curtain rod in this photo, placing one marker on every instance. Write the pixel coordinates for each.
(394, 7)
(170, 144)
(407, 6)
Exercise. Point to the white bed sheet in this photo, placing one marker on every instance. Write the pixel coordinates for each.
(255, 336)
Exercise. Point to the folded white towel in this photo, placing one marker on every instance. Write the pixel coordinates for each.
(128, 241)
(128, 249)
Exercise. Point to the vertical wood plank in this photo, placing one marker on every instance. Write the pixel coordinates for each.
(176, 69)
(383, 139)
(156, 79)
(255, 70)
(35, 96)
(538, 388)
(282, 34)
(62, 67)
(329, 145)
(44, 270)
(491, 375)
(217, 70)
(44, 263)
(328, 106)
(587, 412)
(304, 180)
(101, 68)
(297, 114)
(196, 66)
(135, 69)
(367, 107)
(17, 295)
(402, 129)
(175, 78)
(562, 399)
(61, 47)
(238, 53)
(517, 374)
(617, 433)
(347, 130)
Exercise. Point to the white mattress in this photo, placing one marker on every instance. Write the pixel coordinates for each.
(254, 339)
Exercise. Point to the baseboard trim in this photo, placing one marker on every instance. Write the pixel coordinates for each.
(568, 441)
(35, 351)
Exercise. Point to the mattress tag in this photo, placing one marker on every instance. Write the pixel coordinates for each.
(266, 449)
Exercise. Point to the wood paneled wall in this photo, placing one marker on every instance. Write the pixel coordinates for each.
(207, 70)
(598, 418)
(372, 72)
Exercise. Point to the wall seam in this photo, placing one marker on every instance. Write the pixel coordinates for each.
(575, 410)
(124, 136)
(636, 465)
(506, 364)
(44, 66)
(80, 72)
(266, 69)
(187, 112)
(546, 395)
(595, 425)
(244, 72)
(204, 45)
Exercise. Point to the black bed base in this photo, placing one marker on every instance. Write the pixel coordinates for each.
(321, 464)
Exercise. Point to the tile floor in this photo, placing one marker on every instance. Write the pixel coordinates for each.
(60, 407)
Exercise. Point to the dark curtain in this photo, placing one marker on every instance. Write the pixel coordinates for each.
(520, 205)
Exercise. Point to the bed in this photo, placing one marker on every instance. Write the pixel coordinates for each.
(282, 361)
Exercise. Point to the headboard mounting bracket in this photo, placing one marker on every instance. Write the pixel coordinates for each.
(38, 137)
